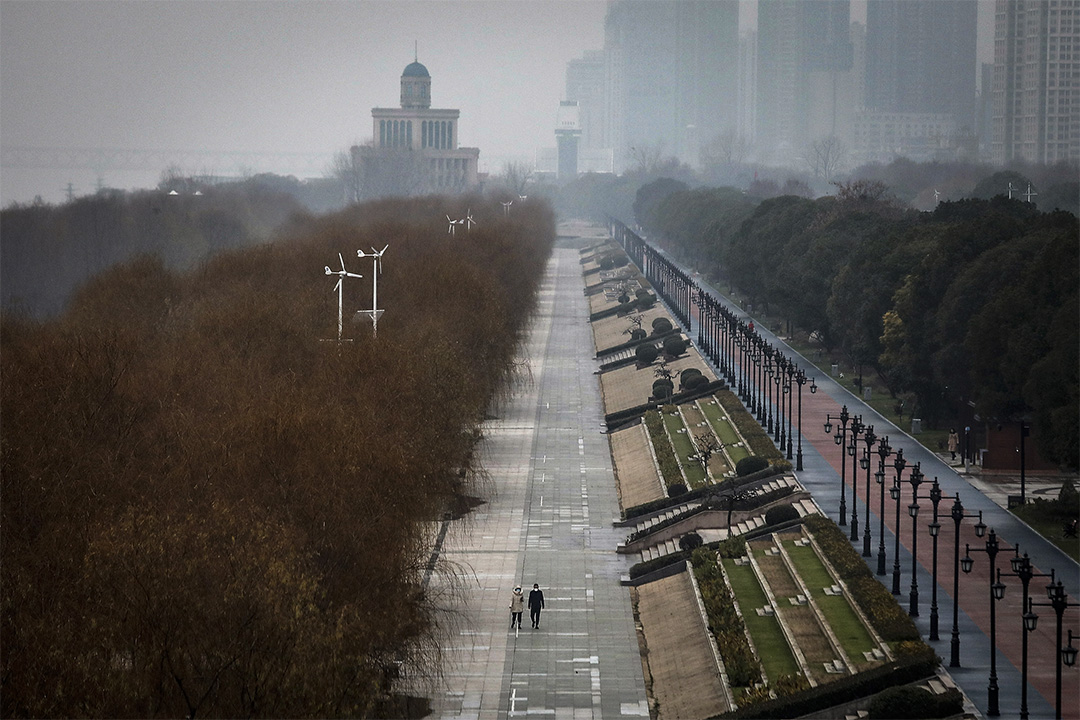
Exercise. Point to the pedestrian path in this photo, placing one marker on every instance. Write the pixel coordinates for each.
(547, 520)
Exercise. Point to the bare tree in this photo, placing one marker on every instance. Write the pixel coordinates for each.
(707, 445)
(646, 158)
(826, 156)
(345, 168)
(517, 176)
(727, 148)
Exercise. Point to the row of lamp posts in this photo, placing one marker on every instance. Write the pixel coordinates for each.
(754, 368)
(846, 433)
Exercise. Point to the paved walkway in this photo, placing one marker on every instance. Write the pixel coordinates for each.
(821, 476)
(548, 520)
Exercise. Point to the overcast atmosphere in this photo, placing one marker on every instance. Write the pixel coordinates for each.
(274, 76)
(281, 77)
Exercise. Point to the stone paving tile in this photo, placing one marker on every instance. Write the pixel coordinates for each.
(635, 470)
(547, 520)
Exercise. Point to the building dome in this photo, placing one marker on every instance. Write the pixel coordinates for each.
(415, 69)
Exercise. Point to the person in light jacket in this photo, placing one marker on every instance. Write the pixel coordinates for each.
(517, 606)
(536, 604)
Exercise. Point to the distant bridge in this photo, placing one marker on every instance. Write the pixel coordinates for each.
(207, 162)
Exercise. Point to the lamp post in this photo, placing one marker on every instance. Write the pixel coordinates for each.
(788, 387)
(840, 439)
(935, 528)
(800, 378)
(869, 438)
(913, 510)
(1059, 600)
(894, 493)
(856, 430)
(772, 377)
(958, 516)
(1022, 568)
(898, 463)
(997, 591)
(782, 391)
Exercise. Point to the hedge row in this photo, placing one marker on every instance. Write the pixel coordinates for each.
(877, 603)
(663, 503)
(665, 454)
(743, 669)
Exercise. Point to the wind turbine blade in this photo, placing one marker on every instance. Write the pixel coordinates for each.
(337, 286)
(342, 262)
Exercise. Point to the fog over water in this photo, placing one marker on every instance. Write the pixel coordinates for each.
(273, 77)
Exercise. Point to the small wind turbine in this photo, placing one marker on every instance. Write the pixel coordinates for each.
(506, 207)
(1029, 194)
(469, 219)
(453, 224)
(376, 270)
(522, 197)
(342, 274)
(937, 196)
(1011, 188)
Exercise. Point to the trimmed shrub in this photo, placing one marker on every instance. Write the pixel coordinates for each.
(913, 702)
(661, 325)
(780, 513)
(642, 292)
(624, 298)
(687, 374)
(645, 303)
(674, 345)
(607, 262)
(676, 489)
(750, 464)
(638, 334)
(690, 541)
(696, 382)
(621, 261)
(662, 382)
(662, 392)
(645, 354)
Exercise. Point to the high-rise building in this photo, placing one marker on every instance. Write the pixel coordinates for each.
(920, 57)
(415, 147)
(1036, 94)
(670, 76)
(567, 135)
(585, 82)
(804, 58)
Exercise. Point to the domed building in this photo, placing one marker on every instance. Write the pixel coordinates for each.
(415, 147)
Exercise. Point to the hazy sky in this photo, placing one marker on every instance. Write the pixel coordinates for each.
(277, 76)
(265, 76)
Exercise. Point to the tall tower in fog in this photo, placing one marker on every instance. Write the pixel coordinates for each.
(920, 57)
(670, 75)
(804, 53)
(1036, 95)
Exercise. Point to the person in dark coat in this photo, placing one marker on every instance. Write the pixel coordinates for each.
(536, 604)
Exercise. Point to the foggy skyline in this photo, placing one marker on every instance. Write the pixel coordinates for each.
(278, 77)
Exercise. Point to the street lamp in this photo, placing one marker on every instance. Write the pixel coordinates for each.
(1059, 600)
(1022, 568)
(768, 370)
(883, 452)
(800, 378)
(958, 516)
(840, 438)
(788, 387)
(869, 438)
(894, 493)
(856, 430)
(935, 528)
(997, 591)
(913, 510)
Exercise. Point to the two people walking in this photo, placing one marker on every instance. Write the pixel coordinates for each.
(517, 606)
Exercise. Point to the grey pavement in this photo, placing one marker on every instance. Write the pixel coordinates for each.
(551, 499)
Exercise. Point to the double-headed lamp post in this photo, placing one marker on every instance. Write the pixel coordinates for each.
(997, 591)
(913, 510)
(840, 438)
(894, 493)
(883, 452)
(958, 516)
(870, 438)
(935, 528)
(1023, 569)
(1059, 600)
(800, 379)
(852, 450)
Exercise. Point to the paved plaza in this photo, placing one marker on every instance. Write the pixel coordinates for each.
(547, 520)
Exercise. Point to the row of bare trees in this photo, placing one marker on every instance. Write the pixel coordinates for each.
(208, 509)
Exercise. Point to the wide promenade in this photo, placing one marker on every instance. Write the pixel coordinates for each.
(547, 520)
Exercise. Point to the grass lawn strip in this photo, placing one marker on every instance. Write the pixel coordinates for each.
(845, 623)
(812, 649)
(734, 445)
(767, 636)
(698, 425)
(684, 448)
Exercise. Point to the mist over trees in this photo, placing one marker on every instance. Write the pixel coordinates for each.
(210, 510)
(977, 301)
